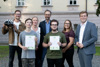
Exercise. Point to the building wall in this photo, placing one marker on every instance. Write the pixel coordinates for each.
(60, 8)
(60, 16)
(37, 6)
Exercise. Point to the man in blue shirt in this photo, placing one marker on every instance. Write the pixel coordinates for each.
(45, 28)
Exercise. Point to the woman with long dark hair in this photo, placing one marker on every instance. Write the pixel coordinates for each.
(68, 51)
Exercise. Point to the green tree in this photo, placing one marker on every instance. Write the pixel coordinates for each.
(98, 9)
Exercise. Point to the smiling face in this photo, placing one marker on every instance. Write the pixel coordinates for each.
(54, 26)
(67, 25)
(47, 15)
(35, 21)
(83, 17)
(17, 15)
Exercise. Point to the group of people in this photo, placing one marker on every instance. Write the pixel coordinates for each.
(85, 37)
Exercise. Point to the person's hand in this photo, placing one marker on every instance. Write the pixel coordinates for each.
(49, 43)
(59, 43)
(64, 50)
(81, 45)
(36, 48)
(36, 39)
(5, 26)
(24, 48)
(77, 43)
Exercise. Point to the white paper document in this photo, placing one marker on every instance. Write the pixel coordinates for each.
(30, 42)
(54, 40)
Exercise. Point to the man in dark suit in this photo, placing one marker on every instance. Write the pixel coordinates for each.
(45, 28)
(86, 35)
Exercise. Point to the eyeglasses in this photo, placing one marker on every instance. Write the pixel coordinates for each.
(67, 23)
(17, 14)
(47, 14)
(53, 24)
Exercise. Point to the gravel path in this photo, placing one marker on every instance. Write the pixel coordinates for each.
(95, 62)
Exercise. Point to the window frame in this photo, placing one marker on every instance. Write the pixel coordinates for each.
(21, 3)
(46, 3)
(72, 2)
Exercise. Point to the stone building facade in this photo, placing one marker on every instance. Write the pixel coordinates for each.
(61, 10)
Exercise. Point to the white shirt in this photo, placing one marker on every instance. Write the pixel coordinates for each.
(38, 34)
(15, 34)
(82, 29)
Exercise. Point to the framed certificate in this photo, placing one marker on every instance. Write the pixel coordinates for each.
(54, 40)
(30, 42)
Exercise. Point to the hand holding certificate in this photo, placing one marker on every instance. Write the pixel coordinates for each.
(54, 40)
(30, 42)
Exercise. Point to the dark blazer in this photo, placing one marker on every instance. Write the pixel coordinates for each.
(42, 26)
(89, 37)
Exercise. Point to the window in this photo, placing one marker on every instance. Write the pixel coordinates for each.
(20, 2)
(46, 2)
(72, 2)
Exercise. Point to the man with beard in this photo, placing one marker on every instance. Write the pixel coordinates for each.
(54, 41)
(45, 28)
(14, 32)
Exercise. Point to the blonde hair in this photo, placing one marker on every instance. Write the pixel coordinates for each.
(35, 17)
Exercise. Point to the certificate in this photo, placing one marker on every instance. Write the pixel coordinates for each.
(30, 42)
(54, 40)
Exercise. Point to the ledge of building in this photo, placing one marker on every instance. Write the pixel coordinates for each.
(20, 6)
(72, 5)
(46, 6)
(42, 13)
(3, 44)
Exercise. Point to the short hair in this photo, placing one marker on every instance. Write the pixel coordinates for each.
(54, 20)
(48, 11)
(83, 12)
(17, 11)
(27, 20)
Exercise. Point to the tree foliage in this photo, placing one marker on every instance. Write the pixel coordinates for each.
(98, 9)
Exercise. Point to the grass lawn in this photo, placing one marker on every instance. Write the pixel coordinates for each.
(4, 51)
(97, 51)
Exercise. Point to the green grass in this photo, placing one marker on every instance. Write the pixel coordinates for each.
(97, 50)
(4, 51)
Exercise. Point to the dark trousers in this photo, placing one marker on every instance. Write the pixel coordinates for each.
(43, 54)
(28, 62)
(85, 59)
(68, 55)
(12, 50)
(40, 55)
(56, 62)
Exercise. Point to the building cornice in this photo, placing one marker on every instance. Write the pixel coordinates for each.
(42, 13)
